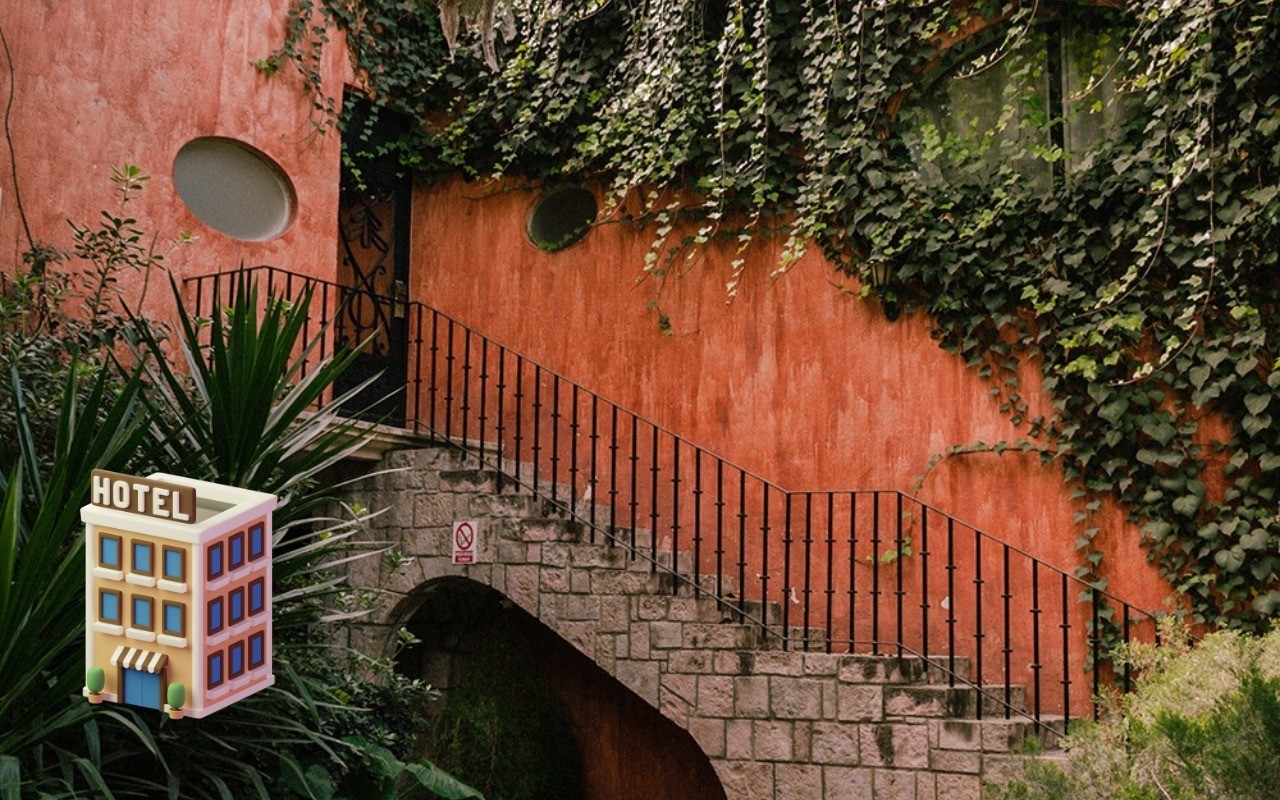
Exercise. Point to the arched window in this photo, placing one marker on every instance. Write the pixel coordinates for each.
(1035, 100)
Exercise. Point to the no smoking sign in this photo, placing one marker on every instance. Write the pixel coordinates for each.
(465, 541)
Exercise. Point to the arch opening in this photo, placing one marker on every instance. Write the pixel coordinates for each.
(592, 737)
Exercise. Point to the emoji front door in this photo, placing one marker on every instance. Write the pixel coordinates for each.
(142, 688)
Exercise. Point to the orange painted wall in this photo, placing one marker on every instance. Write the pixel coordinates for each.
(793, 380)
(97, 85)
(808, 387)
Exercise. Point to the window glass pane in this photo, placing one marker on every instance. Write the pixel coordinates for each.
(215, 560)
(141, 557)
(987, 114)
(173, 619)
(215, 669)
(173, 565)
(237, 659)
(237, 605)
(255, 650)
(110, 604)
(215, 616)
(255, 597)
(141, 613)
(1094, 106)
(109, 554)
(257, 541)
(237, 551)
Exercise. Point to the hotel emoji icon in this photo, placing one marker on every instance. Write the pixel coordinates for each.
(177, 593)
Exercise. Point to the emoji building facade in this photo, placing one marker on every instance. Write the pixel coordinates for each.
(178, 590)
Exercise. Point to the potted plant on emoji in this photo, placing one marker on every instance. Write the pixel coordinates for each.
(177, 696)
(94, 680)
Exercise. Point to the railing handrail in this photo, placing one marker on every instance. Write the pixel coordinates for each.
(626, 513)
(774, 485)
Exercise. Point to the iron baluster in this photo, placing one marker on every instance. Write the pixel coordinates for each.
(435, 382)
(1125, 635)
(764, 569)
(573, 448)
(537, 425)
(875, 573)
(519, 437)
(831, 557)
(502, 391)
(555, 438)
(853, 563)
(484, 395)
(613, 475)
(1005, 597)
(417, 369)
(324, 304)
(787, 588)
(924, 580)
(1035, 635)
(742, 550)
(808, 550)
(1066, 660)
(653, 500)
(951, 602)
(719, 528)
(675, 512)
(697, 521)
(900, 592)
(595, 473)
(466, 382)
(979, 632)
(448, 386)
(1095, 645)
(635, 462)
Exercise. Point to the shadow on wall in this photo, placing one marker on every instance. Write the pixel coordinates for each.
(525, 716)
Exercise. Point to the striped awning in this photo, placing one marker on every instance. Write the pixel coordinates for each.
(137, 658)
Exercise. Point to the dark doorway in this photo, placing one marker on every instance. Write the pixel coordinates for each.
(373, 260)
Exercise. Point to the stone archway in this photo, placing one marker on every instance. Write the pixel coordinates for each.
(625, 748)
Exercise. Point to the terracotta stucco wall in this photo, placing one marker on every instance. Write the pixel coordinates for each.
(97, 85)
(806, 386)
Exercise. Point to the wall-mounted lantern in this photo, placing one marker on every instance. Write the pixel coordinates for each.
(881, 274)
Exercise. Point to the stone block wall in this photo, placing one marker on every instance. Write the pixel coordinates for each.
(776, 724)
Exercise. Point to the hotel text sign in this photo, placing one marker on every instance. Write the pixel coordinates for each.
(142, 496)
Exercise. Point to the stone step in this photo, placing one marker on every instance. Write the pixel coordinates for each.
(797, 639)
(1000, 735)
(957, 702)
(680, 609)
(549, 529)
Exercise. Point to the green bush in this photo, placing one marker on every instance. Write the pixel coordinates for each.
(1203, 724)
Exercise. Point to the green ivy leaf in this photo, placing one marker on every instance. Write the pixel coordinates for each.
(1186, 505)
(1257, 403)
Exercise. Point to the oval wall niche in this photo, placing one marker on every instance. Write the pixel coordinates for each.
(562, 217)
(234, 188)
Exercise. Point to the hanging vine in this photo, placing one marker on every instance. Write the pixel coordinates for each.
(1137, 267)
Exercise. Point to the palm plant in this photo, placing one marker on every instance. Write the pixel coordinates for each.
(42, 576)
(243, 412)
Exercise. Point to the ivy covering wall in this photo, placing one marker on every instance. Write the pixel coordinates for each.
(1094, 187)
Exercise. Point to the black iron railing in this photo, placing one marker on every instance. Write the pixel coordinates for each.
(863, 571)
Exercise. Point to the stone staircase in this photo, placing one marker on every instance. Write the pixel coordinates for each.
(775, 722)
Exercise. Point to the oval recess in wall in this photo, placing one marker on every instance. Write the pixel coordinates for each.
(234, 188)
(561, 217)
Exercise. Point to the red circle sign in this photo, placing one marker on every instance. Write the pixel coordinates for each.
(464, 536)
